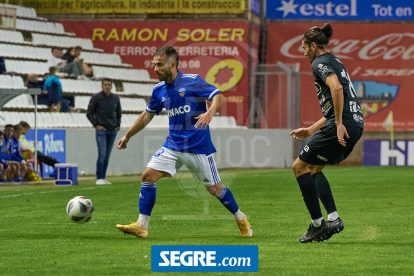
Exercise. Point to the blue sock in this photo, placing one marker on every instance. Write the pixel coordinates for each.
(147, 197)
(227, 199)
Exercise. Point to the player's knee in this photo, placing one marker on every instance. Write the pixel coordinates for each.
(148, 177)
(213, 190)
(297, 168)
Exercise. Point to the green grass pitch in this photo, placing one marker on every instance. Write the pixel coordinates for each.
(37, 237)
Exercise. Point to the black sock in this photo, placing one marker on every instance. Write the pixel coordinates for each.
(310, 195)
(324, 192)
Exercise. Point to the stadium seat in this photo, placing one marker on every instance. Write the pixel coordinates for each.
(102, 58)
(7, 81)
(121, 74)
(160, 122)
(136, 105)
(26, 67)
(37, 26)
(21, 11)
(61, 41)
(138, 89)
(82, 86)
(11, 36)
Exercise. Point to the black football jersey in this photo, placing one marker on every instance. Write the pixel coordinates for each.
(352, 113)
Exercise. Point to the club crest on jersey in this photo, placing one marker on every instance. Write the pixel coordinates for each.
(323, 69)
(181, 91)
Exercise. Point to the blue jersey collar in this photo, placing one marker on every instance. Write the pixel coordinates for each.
(175, 81)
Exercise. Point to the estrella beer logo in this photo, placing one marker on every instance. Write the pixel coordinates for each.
(225, 74)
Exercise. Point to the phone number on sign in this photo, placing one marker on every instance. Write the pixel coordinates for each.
(192, 64)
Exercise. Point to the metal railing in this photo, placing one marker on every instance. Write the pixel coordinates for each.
(276, 96)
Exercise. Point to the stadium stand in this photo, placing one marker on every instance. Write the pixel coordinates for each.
(82, 86)
(30, 52)
(26, 67)
(23, 11)
(26, 51)
(62, 41)
(12, 36)
(23, 101)
(137, 89)
(7, 81)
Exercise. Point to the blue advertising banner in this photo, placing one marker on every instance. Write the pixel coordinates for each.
(378, 10)
(205, 258)
(380, 153)
(51, 142)
(255, 7)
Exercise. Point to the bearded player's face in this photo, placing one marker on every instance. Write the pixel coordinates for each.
(162, 67)
(310, 53)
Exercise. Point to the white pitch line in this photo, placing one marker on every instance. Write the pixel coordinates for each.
(47, 192)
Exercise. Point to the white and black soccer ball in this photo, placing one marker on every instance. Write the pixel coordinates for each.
(80, 209)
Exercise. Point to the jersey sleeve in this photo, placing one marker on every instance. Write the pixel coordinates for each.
(322, 69)
(155, 105)
(204, 89)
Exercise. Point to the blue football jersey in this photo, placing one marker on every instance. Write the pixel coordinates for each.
(184, 99)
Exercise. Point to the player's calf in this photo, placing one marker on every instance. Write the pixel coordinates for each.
(225, 196)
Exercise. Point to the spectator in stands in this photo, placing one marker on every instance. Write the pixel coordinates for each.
(25, 169)
(54, 95)
(34, 82)
(70, 55)
(78, 51)
(6, 170)
(104, 112)
(62, 65)
(87, 68)
(88, 71)
(24, 144)
(2, 66)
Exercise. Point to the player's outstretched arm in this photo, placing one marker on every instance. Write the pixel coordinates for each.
(205, 118)
(143, 120)
(301, 133)
(337, 93)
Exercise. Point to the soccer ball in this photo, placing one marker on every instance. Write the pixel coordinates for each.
(80, 209)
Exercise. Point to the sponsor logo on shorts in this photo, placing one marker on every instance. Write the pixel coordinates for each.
(159, 152)
(358, 118)
(178, 110)
(306, 148)
(322, 158)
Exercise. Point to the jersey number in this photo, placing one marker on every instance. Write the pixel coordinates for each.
(351, 86)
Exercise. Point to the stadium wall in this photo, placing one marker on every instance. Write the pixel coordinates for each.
(244, 148)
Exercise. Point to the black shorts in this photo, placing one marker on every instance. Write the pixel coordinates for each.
(324, 147)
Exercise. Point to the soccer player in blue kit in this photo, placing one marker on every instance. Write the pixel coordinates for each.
(189, 143)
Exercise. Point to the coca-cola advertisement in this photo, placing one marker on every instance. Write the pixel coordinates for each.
(379, 59)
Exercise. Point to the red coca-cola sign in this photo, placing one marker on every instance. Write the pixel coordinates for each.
(378, 57)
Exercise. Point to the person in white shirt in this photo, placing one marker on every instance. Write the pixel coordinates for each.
(62, 65)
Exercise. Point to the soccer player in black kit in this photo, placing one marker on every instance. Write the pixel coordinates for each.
(335, 135)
